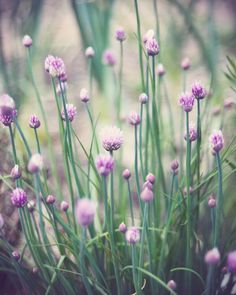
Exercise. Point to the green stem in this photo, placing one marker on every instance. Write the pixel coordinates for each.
(13, 145)
(141, 141)
(130, 203)
(136, 165)
(198, 158)
(134, 271)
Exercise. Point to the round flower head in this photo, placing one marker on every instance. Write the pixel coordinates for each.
(104, 164)
(148, 35)
(174, 166)
(151, 178)
(152, 47)
(198, 91)
(8, 110)
(55, 66)
(186, 100)
(109, 58)
(172, 284)
(84, 95)
(134, 118)
(143, 98)
(27, 41)
(212, 201)
(16, 255)
(161, 70)
(192, 132)
(64, 206)
(231, 262)
(19, 197)
(148, 184)
(122, 228)
(228, 103)
(185, 64)
(50, 199)
(126, 174)
(34, 122)
(89, 52)
(48, 61)
(120, 34)
(16, 172)
(132, 235)
(31, 206)
(85, 212)
(147, 195)
(212, 257)
(1, 221)
(216, 141)
(71, 112)
(112, 138)
(35, 163)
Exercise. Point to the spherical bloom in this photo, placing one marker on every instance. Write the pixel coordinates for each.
(85, 212)
(89, 52)
(104, 164)
(64, 206)
(8, 110)
(120, 34)
(112, 138)
(148, 184)
(1, 221)
(55, 66)
(174, 166)
(216, 141)
(147, 195)
(212, 257)
(19, 197)
(15, 172)
(186, 100)
(50, 199)
(34, 122)
(16, 255)
(143, 98)
(172, 284)
(231, 262)
(35, 163)
(109, 58)
(212, 201)
(27, 41)
(151, 178)
(228, 103)
(126, 174)
(198, 91)
(192, 132)
(185, 64)
(148, 35)
(160, 70)
(31, 206)
(122, 228)
(152, 47)
(84, 95)
(132, 235)
(71, 112)
(134, 118)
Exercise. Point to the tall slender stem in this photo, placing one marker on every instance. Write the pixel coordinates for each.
(130, 203)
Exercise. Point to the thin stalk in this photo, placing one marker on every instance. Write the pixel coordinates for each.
(134, 271)
(136, 165)
(13, 145)
(130, 203)
(119, 94)
(198, 158)
(182, 126)
(147, 118)
(141, 141)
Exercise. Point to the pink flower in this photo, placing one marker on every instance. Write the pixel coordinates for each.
(55, 66)
(134, 118)
(192, 132)
(27, 41)
(132, 235)
(64, 206)
(122, 228)
(120, 34)
(212, 257)
(198, 91)
(152, 47)
(8, 110)
(231, 262)
(147, 195)
(186, 100)
(112, 138)
(19, 197)
(109, 58)
(160, 70)
(216, 141)
(71, 112)
(143, 98)
(84, 95)
(185, 64)
(104, 164)
(85, 212)
(89, 52)
(34, 122)
(35, 163)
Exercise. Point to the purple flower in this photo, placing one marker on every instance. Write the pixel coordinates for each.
(71, 112)
(85, 212)
(64, 206)
(132, 235)
(50, 199)
(172, 284)
(192, 132)
(186, 100)
(122, 228)
(27, 41)
(151, 178)
(112, 138)
(34, 122)
(174, 166)
(19, 197)
(231, 262)
(104, 164)
(16, 255)
(31, 206)
(160, 70)
(150, 34)
(198, 91)
(143, 98)
(89, 52)
(126, 174)
(35, 163)
(8, 110)
(185, 64)
(212, 257)
(216, 141)
(212, 201)
(152, 47)
(147, 195)
(120, 34)
(55, 66)
(109, 58)
(16, 172)
(148, 184)
(84, 95)
(134, 118)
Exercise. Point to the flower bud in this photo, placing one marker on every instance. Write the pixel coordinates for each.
(64, 206)
(122, 228)
(212, 257)
(16, 255)
(151, 178)
(27, 41)
(35, 163)
(126, 174)
(50, 199)
(147, 195)
(16, 172)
